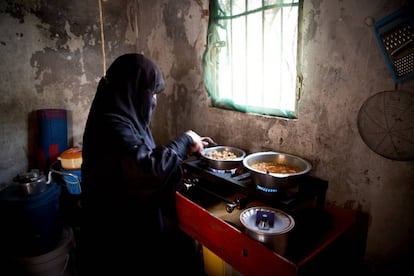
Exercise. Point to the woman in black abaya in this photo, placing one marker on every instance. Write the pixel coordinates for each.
(128, 182)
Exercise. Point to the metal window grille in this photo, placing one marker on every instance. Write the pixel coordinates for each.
(251, 59)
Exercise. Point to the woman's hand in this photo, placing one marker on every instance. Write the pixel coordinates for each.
(198, 142)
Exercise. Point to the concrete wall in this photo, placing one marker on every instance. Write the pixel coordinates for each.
(51, 58)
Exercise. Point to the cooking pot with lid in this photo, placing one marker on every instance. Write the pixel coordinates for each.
(269, 226)
(31, 183)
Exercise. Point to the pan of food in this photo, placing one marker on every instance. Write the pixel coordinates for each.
(223, 157)
(276, 170)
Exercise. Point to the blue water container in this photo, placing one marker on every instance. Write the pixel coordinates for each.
(31, 224)
(72, 179)
(53, 135)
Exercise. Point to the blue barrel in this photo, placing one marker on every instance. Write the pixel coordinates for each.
(31, 225)
(53, 135)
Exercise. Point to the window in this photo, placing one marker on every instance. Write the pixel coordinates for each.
(250, 63)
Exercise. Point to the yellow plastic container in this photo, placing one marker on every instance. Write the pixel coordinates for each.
(215, 266)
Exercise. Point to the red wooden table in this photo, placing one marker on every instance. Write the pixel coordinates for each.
(338, 249)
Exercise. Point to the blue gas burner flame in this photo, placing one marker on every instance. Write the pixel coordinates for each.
(223, 172)
(266, 190)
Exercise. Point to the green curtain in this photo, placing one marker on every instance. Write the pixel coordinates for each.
(217, 37)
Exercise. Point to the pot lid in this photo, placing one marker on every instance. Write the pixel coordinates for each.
(29, 177)
(266, 220)
(72, 153)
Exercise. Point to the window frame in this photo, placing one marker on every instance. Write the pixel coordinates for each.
(210, 66)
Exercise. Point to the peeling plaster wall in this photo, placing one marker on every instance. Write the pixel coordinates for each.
(342, 66)
(51, 58)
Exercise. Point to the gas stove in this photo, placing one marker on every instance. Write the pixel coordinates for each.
(232, 191)
(210, 203)
(199, 178)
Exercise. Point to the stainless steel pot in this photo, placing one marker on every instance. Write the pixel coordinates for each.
(269, 226)
(276, 181)
(223, 164)
(31, 183)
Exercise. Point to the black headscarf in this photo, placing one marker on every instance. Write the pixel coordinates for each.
(127, 92)
(121, 162)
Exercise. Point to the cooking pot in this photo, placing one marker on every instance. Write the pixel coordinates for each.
(30, 183)
(71, 159)
(269, 226)
(223, 157)
(276, 181)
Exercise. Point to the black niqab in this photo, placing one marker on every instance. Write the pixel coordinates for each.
(128, 183)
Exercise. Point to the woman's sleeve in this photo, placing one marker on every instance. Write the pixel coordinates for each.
(150, 169)
(180, 145)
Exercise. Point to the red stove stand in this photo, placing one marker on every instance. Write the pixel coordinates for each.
(337, 249)
(340, 248)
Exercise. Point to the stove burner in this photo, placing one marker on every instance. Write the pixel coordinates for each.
(309, 191)
(266, 190)
(225, 172)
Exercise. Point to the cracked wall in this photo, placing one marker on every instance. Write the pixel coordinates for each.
(51, 58)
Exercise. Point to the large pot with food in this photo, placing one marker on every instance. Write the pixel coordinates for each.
(223, 157)
(276, 171)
